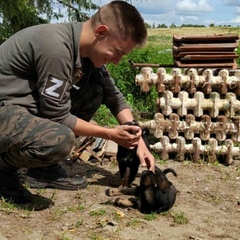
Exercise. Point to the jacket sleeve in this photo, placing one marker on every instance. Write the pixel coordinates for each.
(54, 69)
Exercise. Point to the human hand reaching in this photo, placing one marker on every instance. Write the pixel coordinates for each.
(126, 136)
(145, 156)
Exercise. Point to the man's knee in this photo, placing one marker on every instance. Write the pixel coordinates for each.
(58, 144)
(52, 146)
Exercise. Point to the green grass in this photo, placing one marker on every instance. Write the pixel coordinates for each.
(151, 216)
(98, 212)
(180, 218)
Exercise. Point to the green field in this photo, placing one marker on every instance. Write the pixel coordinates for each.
(163, 36)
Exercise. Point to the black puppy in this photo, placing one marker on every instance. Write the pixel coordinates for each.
(154, 194)
(128, 161)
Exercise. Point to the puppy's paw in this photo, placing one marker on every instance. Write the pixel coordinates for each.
(121, 202)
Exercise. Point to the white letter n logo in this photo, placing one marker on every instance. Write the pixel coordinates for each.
(54, 88)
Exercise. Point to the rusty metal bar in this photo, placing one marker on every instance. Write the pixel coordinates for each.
(140, 65)
(205, 51)
(206, 38)
(197, 51)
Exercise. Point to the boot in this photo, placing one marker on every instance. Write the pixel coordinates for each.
(12, 190)
(53, 177)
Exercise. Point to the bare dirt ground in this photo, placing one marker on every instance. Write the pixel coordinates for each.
(207, 207)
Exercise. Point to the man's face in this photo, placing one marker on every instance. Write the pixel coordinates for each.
(110, 49)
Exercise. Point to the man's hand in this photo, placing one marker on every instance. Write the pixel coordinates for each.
(126, 136)
(145, 156)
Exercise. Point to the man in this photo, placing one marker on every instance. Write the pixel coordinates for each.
(52, 80)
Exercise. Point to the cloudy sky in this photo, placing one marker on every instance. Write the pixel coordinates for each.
(178, 12)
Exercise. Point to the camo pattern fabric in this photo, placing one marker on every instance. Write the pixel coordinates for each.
(27, 141)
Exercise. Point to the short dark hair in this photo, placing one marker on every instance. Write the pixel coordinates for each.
(124, 18)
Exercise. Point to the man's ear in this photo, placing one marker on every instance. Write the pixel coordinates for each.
(101, 31)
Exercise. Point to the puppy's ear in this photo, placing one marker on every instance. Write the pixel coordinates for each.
(148, 179)
(164, 184)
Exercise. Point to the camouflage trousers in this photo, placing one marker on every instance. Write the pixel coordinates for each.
(27, 141)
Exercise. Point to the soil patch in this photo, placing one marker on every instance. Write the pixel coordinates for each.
(207, 207)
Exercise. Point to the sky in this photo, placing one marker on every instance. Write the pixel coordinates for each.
(196, 12)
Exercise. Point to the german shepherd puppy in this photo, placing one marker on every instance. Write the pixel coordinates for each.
(128, 161)
(154, 194)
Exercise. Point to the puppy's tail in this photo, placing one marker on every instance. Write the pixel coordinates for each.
(168, 170)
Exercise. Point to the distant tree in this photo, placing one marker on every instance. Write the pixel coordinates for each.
(18, 14)
(192, 25)
(211, 25)
(173, 25)
(147, 25)
(162, 26)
